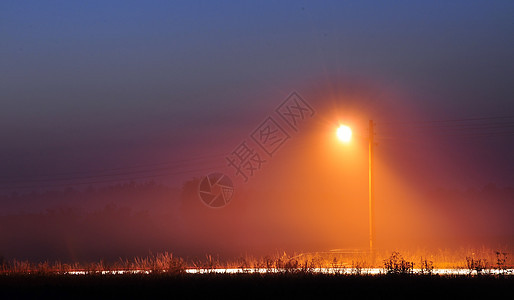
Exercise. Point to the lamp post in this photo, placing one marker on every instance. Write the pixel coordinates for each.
(344, 133)
(371, 188)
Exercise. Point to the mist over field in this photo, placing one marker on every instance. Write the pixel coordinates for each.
(129, 220)
(114, 112)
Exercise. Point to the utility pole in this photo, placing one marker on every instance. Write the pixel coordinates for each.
(371, 188)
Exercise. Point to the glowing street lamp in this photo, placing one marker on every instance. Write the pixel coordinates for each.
(344, 133)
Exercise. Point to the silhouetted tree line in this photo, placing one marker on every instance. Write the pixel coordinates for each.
(146, 195)
(127, 220)
(490, 196)
(486, 211)
(123, 220)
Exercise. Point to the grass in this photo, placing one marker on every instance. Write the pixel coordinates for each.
(391, 262)
(286, 276)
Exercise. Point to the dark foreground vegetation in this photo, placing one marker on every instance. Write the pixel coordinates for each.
(279, 277)
(284, 285)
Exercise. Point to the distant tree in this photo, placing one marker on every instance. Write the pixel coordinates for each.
(189, 198)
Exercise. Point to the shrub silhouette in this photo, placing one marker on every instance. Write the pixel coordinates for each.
(501, 262)
(397, 265)
(477, 265)
(426, 267)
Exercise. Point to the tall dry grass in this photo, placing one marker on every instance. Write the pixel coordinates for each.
(338, 261)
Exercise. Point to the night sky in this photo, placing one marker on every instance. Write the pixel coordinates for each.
(165, 90)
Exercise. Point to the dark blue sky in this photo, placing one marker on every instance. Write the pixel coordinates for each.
(107, 84)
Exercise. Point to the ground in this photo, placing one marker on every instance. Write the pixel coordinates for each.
(253, 286)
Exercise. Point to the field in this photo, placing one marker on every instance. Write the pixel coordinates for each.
(279, 276)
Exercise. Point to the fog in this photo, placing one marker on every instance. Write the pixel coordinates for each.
(113, 111)
(311, 195)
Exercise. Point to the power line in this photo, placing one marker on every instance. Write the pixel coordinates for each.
(114, 180)
(452, 135)
(93, 177)
(446, 121)
(51, 178)
(483, 127)
(460, 128)
(131, 173)
(64, 176)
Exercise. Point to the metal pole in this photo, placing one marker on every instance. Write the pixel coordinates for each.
(371, 189)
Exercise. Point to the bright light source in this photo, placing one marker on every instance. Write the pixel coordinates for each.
(344, 133)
